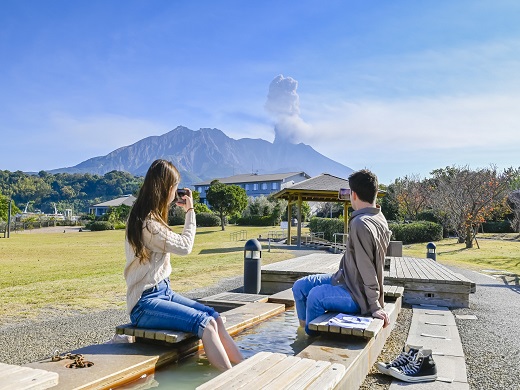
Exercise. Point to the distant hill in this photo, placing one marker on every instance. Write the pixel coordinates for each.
(209, 153)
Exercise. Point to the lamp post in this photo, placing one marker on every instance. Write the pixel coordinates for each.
(431, 251)
(252, 266)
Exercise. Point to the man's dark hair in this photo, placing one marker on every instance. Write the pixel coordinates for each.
(364, 184)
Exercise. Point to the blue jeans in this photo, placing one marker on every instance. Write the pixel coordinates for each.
(314, 295)
(161, 308)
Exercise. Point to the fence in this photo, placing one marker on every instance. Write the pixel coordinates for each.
(276, 235)
(238, 236)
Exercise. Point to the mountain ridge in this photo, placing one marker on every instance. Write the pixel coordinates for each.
(209, 153)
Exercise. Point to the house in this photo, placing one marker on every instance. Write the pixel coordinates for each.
(255, 184)
(102, 208)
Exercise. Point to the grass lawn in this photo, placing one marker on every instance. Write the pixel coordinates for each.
(43, 273)
(62, 273)
(496, 254)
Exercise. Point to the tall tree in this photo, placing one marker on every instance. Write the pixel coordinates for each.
(465, 198)
(411, 195)
(226, 199)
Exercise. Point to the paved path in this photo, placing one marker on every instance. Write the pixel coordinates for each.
(492, 341)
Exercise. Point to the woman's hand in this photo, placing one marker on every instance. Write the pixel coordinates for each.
(187, 200)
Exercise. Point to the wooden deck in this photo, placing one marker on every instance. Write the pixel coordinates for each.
(24, 378)
(425, 281)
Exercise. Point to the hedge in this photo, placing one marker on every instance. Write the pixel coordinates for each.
(497, 227)
(421, 231)
(328, 226)
(256, 220)
(208, 219)
(100, 225)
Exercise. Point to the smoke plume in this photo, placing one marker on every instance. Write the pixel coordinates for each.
(283, 103)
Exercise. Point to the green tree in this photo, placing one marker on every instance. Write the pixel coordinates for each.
(4, 208)
(226, 199)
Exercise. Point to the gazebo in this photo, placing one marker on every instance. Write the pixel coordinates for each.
(322, 188)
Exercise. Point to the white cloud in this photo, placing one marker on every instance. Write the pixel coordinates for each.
(440, 123)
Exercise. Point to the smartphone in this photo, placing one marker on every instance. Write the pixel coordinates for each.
(180, 193)
(344, 194)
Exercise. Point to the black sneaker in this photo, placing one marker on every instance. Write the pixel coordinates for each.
(408, 353)
(420, 369)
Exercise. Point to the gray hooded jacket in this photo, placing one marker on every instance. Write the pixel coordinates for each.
(361, 267)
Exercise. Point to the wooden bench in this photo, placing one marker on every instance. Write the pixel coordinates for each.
(163, 335)
(321, 324)
(267, 370)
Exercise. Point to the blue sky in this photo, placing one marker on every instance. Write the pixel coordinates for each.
(400, 87)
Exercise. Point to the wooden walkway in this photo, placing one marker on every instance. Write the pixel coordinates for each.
(425, 281)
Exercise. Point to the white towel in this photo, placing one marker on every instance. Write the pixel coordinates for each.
(352, 322)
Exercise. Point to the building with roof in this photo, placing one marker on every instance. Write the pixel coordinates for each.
(102, 208)
(254, 184)
(322, 188)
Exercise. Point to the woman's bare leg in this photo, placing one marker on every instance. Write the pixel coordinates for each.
(214, 348)
(233, 353)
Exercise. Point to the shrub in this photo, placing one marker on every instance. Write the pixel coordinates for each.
(328, 226)
(119, 225)
(176, 216)
(208, 219)
(497, 227)
(256, 220)
(421, 231)
(100, 225)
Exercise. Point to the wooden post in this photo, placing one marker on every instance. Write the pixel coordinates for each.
(345, 220)
(299, 242)
(9, 218)
(289, 217)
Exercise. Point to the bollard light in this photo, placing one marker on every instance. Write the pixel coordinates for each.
(252, 266)
(431, 251)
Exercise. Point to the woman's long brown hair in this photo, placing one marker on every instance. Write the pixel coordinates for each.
(152, 200)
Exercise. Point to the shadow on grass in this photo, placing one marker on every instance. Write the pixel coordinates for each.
(222, 250)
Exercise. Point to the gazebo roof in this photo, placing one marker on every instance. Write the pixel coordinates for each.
(322, 188)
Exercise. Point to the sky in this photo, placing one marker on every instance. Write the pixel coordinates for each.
(398, 87)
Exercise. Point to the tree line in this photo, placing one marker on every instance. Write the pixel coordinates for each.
(45, 191)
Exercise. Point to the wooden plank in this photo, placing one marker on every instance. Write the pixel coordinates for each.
(413, 272)
(399, 291)
(248, 378)
(419, 269)
(309, 376)
(374, 327)
(232, 298)
(389, 291)
(167, 335)
(329, 379)
(274, 372)
(14, 377)
(229, 375)
(321, 323)
(287, 377)
(285, 297)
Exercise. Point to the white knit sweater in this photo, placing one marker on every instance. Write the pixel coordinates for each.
(160, 241)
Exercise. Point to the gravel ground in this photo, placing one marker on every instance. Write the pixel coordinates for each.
(491, 342)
